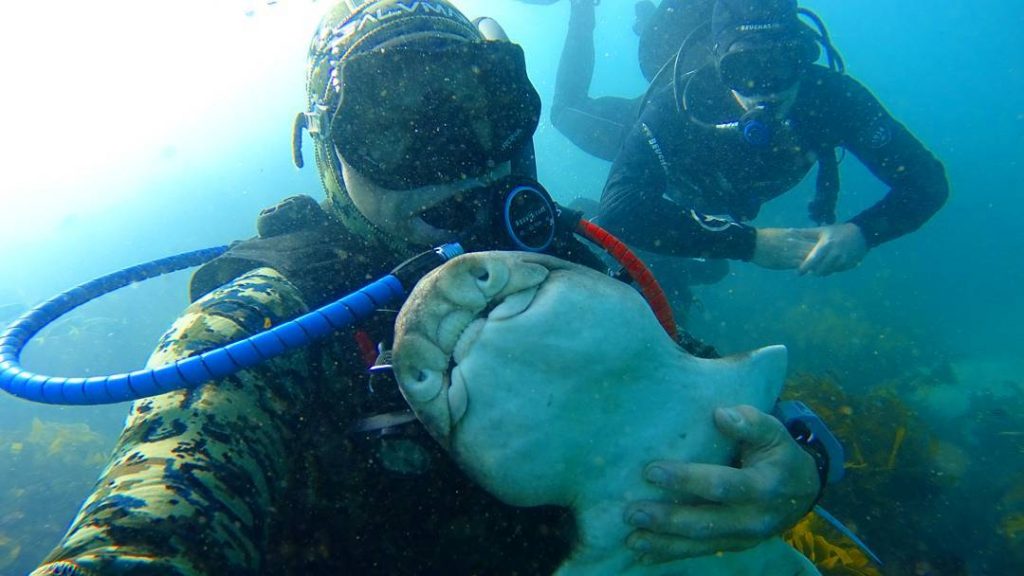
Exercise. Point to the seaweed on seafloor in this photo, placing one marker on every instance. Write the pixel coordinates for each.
(1011, 522)
(878, 430)
(49, 467)
(10, 551)
(836, 333)
(831, 552)
(72, 444)
(1012, 527)
(891, 481)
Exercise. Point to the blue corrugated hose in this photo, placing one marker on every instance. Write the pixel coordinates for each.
(195, 370)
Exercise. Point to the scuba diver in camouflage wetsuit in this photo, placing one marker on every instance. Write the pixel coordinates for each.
(309, 462)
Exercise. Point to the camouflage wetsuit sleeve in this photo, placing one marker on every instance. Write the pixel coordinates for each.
(196, 475)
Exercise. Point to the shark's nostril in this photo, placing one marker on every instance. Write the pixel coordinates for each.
(422, 384)
(482, 276)
(490, 277)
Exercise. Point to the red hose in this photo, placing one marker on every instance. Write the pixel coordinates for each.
(637, 270)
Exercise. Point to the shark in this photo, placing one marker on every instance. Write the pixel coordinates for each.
(550, 383)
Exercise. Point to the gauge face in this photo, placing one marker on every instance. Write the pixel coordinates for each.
(529, 218)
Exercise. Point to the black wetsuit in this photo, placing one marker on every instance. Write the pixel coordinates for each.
(716, 180)
(599, 125)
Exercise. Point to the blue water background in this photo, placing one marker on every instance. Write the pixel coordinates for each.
(949, 70)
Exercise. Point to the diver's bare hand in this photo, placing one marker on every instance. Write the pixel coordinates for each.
(839, 247)
(739, 507)
(783, 248)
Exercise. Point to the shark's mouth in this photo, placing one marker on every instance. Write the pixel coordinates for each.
(446, 333)
(462, 328)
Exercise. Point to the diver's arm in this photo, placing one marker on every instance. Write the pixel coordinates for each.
(596, 125)
(633, 205)
(196, 475)
(576, 65)
(917, 180)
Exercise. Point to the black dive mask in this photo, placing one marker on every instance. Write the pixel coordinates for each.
(514, 213)
(410, 117)
(763, 70)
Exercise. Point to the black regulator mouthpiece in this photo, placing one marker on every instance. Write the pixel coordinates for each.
(757, 126)
(513, 213)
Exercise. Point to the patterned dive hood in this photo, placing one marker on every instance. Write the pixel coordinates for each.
(351, 27)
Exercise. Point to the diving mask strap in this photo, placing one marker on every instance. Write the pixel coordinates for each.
(312, 122)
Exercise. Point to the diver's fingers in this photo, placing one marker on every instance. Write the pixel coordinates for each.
(846, 260)
(782, 248)
(756, 431)
(710, 482)
(798, 251)
(815, 256)
(835, 260)
(654, 548)
(701, 521)
(800, 242)
(809, 235)
(831, 264)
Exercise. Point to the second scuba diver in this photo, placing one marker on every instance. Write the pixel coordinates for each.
(712, 145)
